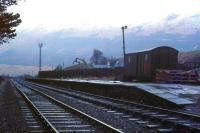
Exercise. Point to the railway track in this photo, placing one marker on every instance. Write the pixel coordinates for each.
(57, 116)
(162, 120)
(32, 122)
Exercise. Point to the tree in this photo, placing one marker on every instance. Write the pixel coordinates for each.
(8, 21)
(6, 3)
(98, 58)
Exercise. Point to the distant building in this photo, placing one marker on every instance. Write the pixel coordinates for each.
(78, 66)
(191, 64)
(118, 63)
(58, 68)
(101, 66)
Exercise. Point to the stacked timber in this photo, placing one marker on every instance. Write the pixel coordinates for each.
(176, 76)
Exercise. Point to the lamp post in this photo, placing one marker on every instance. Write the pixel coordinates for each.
(40, 56)
(124, 50)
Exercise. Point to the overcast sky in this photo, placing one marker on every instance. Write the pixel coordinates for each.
(90, 15)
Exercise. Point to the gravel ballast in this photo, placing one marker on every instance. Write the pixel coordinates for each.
(116, 121)
(11, 119)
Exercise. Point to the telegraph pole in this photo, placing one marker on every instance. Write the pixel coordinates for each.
(124, 50)
(40, 56)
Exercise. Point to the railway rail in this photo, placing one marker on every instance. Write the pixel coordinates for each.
(57, 116)
(162, 120)
(32, 122)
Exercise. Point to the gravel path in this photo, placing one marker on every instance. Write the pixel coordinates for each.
(10, 115)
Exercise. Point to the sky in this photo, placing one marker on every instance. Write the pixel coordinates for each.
(92, 15)
(76, 27)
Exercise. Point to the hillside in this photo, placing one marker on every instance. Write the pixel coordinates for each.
(189, 56)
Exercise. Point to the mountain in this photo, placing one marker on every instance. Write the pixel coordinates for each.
(57, 49)
(63, 46)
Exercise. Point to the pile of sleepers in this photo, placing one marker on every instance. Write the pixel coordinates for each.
(176, 76)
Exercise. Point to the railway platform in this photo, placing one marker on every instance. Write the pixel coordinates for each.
(176, 93)
(169, 95)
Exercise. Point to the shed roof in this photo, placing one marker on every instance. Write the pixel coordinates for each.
(152, 49)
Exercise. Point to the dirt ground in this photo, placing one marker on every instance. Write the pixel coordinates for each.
(11, 120)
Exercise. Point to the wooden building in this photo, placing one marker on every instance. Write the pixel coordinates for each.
(143, 65)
